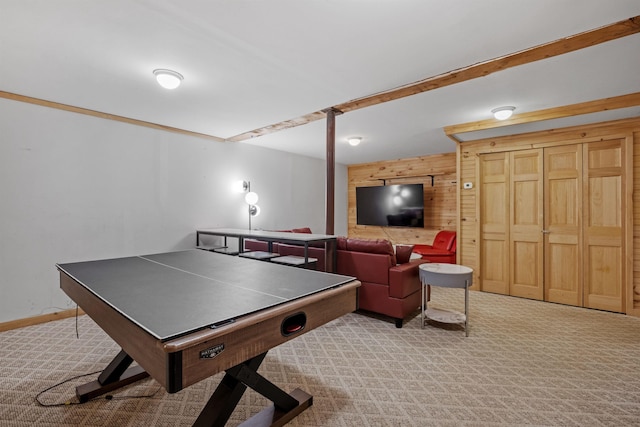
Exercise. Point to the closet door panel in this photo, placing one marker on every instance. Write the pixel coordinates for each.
(563, 225)
(526, 217)
(494, 222)
(604, 225)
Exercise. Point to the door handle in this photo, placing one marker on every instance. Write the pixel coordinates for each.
(546, 231)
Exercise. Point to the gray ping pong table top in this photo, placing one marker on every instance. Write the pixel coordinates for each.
(176, 293)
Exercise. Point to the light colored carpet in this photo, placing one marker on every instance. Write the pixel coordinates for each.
(524, 363)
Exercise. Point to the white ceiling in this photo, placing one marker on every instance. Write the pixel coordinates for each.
(250, 63)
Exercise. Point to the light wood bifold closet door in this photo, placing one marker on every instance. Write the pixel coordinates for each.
(552, 223)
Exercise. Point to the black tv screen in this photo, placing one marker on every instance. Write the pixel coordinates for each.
(390, 205)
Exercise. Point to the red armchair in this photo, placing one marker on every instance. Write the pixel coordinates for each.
(443, 249)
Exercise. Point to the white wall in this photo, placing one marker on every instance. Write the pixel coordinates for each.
(76, 187)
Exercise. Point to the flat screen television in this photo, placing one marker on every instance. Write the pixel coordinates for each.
(399, 205)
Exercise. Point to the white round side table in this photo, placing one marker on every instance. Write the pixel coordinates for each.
(448, 276)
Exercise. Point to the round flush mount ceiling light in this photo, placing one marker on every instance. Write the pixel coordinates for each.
(168, 79)
(503, 113)
(354, 140)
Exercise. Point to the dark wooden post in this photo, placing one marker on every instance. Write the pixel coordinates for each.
(331, 168)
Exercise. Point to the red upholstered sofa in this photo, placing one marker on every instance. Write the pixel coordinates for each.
(443, 249)
(388, 288)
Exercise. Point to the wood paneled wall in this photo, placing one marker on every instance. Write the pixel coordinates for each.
(440, 199)
(467, 164)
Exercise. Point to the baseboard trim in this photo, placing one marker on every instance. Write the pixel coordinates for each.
(36, 320)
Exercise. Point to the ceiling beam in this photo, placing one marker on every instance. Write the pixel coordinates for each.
(558, 47)
(99, 114)
(597, 106)
(303, 120)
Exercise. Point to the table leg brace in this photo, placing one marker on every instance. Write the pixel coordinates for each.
(230, 390)
(117, 374)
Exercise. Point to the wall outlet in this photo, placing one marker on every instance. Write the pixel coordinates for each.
(468, 185)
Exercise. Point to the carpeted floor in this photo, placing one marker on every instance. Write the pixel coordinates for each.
(524, 363)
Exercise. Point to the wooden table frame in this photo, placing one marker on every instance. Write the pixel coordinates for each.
(238, 348)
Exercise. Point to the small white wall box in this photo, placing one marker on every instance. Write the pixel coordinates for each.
(468, 185)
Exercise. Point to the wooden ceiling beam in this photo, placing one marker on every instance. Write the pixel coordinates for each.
(558, 47)
(287, 124)
(548, 50)
(107, 116)
(597, 106)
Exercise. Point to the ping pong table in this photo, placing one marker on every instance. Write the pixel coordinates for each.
(185, 316)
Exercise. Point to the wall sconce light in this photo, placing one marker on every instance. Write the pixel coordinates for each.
(251, 198)
(354, 140)
(502, 113)
(254, 210)
(168, 79)
(241, 186)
